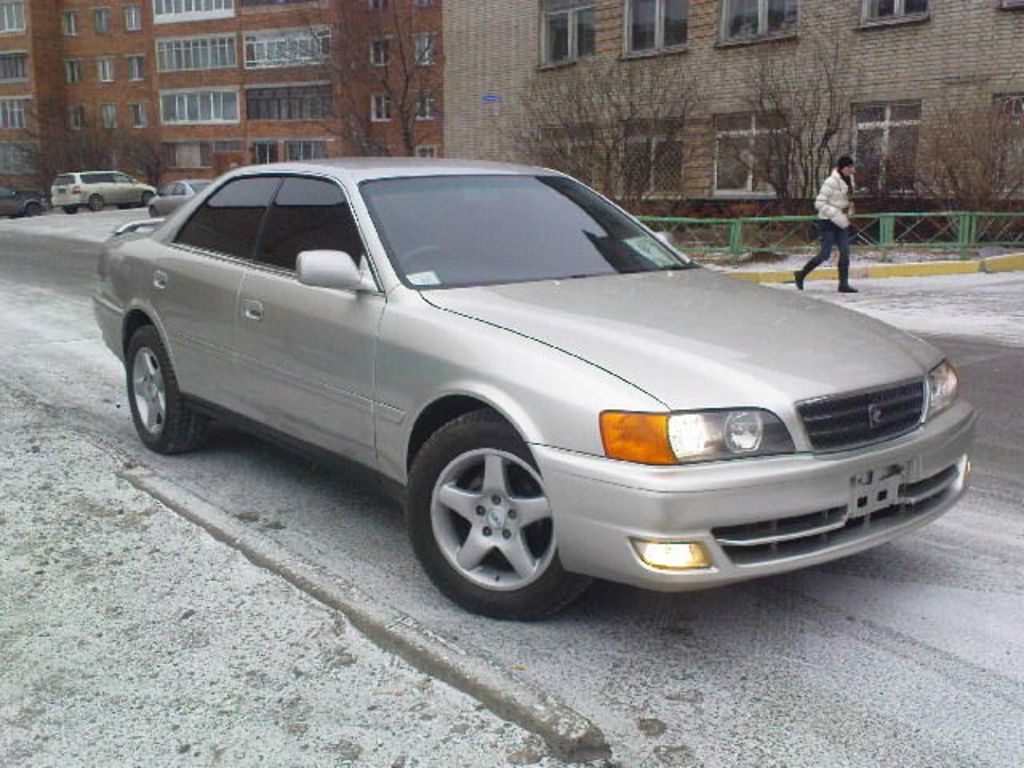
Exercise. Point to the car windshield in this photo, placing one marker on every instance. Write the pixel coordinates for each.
(453, 231)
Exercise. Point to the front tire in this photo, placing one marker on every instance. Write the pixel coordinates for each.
(481, 524)
(153, 213)
(70, 209)
(162, 418)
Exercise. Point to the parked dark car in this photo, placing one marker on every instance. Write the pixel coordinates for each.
(20, 202)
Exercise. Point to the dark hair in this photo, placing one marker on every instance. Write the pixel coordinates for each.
(844, 162)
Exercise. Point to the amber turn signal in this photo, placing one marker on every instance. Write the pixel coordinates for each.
(639, 437)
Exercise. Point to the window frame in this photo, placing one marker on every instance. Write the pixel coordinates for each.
(219, 9)
(212, 92)
(886, 126)
(101, 12)
(382, 100)
(72, 71)
(750, 190)
(311, 96)
(426, 98)
(23, 67)
(659, 46)
(763, 33)
(318, 37)
(139, 114)
(102, 63)
(132, 12)
(899, 13)
(573, 44)
(383, 45)
(14, 112)
(12, 17)
(108, 110)
(131, 59)
(188, 47)
(76, 117)
(69, 23)
(426, 57)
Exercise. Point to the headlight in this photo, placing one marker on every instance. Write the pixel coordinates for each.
(943, 388)
(673, 438)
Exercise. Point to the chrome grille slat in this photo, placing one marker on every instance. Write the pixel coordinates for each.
(844, 421)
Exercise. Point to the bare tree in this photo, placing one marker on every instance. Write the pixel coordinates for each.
(384, 59)
(621, 128)
(144, 155)
(972, 156)
(799, 115)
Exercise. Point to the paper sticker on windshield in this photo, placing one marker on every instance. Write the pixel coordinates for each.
(424, 278)
(651, 249)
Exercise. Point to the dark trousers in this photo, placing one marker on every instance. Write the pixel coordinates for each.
(832, 236)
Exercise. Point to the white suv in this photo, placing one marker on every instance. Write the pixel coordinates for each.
(97, 189)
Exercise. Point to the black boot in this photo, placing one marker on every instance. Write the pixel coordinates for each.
(844, 278)
(799, 276)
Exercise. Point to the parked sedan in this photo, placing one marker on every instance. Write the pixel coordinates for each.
(18, 202)
(557, 394)
(172, 196)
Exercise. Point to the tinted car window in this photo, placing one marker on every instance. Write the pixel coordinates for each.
(65, 180)
(230, 220)
(120, 178)
(95, 178)
(479, 230)
(308, 214)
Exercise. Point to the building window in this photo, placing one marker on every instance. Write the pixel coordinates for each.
(17, 157)
(73, 70)
(13, 67)
(426, 48)
(380, 107)
(187, 154)
(169, 11)
(305, 150)
(742, 154)
(286, 47)
(653, 167)
(886, 146)
(105, 69)
(264, 152)
(69, 22)
(192, 53)
(377, 5)
(196, 107)
(136, 67)
(138, 114)
(380, 50)
(656, 25)
(426, 105)
(291, 102)
(568, 30)
(76, 118)
(101, 20)
(132, 18)
(426, 150)
(748, 19)
(108, 113)
(12, 16)
(12, 112)
(882, 10)
(424, 3)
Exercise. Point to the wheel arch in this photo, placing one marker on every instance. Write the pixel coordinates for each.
(133, 320)
(447, 408)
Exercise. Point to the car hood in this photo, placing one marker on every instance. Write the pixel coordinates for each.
(696, 339)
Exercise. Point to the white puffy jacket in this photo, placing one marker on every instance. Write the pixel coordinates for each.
(833, 200)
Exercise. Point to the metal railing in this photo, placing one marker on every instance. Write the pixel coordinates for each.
(962, 232)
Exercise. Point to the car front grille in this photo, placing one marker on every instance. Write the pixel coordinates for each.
(846, 421)
(772, 540)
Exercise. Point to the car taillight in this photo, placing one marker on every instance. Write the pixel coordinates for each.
(76, 190)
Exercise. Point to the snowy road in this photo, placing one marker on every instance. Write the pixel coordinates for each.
(909, 655)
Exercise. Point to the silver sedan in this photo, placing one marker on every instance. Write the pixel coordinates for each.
(555, 393)
(172, 196)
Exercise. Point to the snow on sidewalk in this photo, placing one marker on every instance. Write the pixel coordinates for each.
(130, 636)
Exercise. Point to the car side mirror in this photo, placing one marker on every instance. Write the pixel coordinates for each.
(331, 269)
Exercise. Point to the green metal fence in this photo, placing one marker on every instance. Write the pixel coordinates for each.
(961, 232)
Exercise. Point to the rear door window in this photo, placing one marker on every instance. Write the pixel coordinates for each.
(308, 214)
(229, 221)
(64, 181)
(95, 178)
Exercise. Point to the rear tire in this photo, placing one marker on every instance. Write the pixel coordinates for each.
(481, 525)
(96, 203)
(33, 209)
(70, 209)
(163, 419)
(152, 213)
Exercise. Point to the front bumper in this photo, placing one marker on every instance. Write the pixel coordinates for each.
(754, 517)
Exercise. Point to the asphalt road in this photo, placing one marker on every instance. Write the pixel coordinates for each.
(910, 655)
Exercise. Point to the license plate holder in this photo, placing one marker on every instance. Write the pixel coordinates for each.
(875, 489)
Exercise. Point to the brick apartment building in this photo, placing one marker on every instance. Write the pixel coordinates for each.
(897, 67)
(189, 88)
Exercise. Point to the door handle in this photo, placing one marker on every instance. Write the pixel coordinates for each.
(159, 279)
(252, 310)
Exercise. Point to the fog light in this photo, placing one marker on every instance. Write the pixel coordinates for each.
(673, 555)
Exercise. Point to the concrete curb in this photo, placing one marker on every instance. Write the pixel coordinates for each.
(570, 735)
(1010, 263)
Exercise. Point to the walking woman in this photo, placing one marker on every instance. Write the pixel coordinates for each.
(834, 208)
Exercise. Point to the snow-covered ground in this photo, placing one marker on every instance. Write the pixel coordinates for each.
(85, 225)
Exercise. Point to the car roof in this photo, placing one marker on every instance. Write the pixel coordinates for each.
(358, 169)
